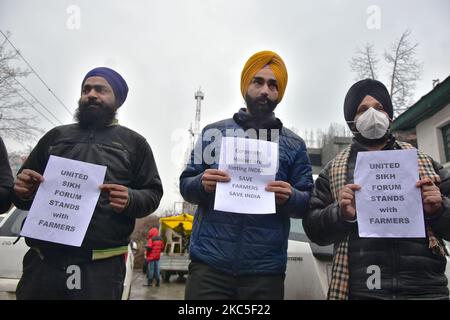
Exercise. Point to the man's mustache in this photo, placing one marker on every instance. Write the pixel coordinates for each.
(92, 103)
(262, 99)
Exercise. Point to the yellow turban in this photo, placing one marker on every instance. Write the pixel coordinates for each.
(258, 61)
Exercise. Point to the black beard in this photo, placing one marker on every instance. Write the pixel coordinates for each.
(88, 118)
(258, 110)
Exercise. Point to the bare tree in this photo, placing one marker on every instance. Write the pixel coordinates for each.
(16, 120)
(139, 235)
(17, 158)
(319, 138)
(365, 63)
(403, 69)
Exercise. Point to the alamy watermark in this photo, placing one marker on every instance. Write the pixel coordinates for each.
(374, 280)
(74, 279)
(73, 21)
(373, 21)
(208, 147)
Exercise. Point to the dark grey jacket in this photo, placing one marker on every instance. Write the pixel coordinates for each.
(408, 267)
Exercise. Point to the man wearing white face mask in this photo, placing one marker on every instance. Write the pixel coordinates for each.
(409, 268)
(372, 124)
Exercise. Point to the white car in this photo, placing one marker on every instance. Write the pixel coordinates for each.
(308, 272)
(129, 263)
(11, 255)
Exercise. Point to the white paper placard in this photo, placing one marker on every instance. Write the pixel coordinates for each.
(388, 205)
(64, 203)
(251, 164)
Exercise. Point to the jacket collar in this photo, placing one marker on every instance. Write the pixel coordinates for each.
(247, 121)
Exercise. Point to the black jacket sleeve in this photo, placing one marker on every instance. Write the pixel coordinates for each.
(146, 190)
(36, 161)
(323, 223)
(6, 179)
(441, 223)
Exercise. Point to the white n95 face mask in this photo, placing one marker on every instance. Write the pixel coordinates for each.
(372, 124)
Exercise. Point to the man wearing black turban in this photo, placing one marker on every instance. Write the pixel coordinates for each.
(372, 89)
(409, 268)
(132, 189)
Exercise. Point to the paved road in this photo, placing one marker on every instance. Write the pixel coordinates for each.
(7, 296)
(174, 290)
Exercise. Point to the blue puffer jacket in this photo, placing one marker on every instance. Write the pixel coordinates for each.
(240, 244)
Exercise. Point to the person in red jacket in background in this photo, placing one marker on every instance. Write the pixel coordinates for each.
(154, 247)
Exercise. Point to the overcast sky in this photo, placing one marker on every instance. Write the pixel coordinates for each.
(166, 49)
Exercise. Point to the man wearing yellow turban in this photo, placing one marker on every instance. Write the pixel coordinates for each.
(265, 60)
(243, 256)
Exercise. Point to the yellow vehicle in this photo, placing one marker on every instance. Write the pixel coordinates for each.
(173, 222)
(176, 232)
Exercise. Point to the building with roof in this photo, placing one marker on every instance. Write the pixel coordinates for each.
(430, 119)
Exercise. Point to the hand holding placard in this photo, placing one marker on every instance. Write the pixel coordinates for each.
(118, 196)
(211, 177)
(347, 201)
(431, 196)
(282, 190)
(27, 183)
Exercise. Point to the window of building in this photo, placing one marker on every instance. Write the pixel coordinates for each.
(446, 139)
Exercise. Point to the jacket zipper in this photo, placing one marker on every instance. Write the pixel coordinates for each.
(394, 270)
(91, 137)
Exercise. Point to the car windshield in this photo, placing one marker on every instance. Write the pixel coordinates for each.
(297, 233)
(12, 226)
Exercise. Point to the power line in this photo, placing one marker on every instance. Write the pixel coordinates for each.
(37, 75)
(25, 99)
(37, 100)
(26, 126)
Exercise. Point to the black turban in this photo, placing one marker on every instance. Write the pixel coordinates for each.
(362, 88)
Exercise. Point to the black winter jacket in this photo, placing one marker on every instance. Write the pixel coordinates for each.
(6, 179)
(129, 161)
(409, 270)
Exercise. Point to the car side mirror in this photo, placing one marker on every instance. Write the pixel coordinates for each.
(133, 246)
